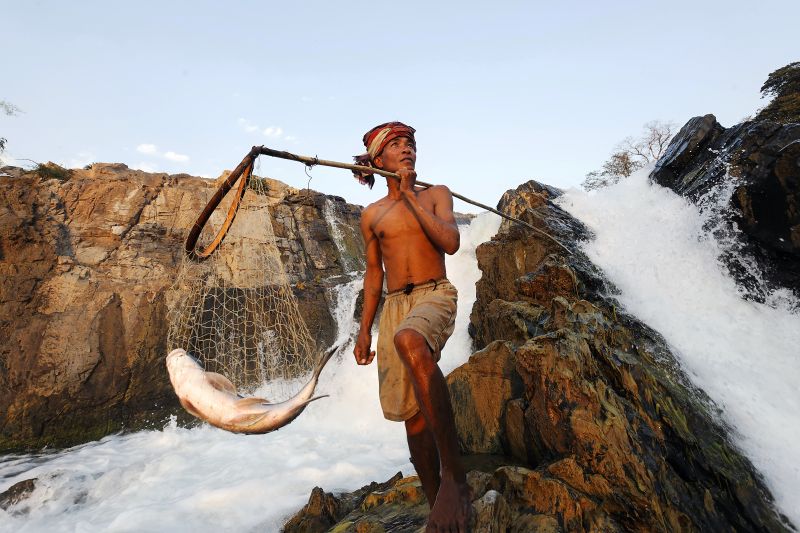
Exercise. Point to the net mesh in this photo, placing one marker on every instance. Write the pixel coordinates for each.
(235, 312)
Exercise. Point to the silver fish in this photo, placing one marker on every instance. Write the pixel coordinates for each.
(212, 397)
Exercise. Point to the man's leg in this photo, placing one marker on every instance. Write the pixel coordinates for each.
(424, 455)
(452, 507)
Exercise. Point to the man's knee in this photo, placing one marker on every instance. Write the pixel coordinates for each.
(416, 425)
(409, 343)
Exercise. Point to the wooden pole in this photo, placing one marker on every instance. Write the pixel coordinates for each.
(312, 161)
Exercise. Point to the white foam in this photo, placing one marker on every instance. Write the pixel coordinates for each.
(656, 248)
(205, 479)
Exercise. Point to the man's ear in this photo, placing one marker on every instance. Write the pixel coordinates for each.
(377, 161)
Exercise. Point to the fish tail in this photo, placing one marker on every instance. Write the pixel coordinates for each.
(324, 360)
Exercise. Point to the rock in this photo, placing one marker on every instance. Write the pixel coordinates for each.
(87, 263)
(407, 491)
(491, 513)
(17, 493)
(536, 523)
(319, 514)
(759, 160)
(613, 437)
(478, 482)
(692, 141)
(479, 392)
(395, 506)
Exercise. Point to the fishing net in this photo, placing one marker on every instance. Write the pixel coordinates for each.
(235, 311)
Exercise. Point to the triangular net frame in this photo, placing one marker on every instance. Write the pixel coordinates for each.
(235, 311)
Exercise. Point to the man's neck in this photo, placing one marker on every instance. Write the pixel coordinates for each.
(393, 184)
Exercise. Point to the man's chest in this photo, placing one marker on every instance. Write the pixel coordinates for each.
(398, 221)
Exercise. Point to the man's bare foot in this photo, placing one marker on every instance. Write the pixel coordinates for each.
(452, 509)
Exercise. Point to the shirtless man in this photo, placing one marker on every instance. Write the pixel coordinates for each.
(407, 234)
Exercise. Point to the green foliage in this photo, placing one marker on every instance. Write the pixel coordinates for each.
(785, 80)
(49, 171)
(784, 85)
(620, 165)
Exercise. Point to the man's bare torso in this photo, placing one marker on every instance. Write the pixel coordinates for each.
(408, 254)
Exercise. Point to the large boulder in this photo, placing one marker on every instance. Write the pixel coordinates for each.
(606, 421)
(480, 391)
(87, 259)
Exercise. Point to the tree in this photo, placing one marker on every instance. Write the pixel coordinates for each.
(11, 110)
(632, 154)
(784, 86)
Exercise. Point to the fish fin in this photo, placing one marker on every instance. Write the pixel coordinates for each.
(243, 421)
(246, 403)
(190, 408)
(315, 398)
(220, 382)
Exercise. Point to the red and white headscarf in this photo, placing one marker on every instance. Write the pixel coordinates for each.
(376, 140)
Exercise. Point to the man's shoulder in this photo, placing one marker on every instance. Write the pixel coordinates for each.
(371, 208)
(438, 193)
(439, 190)
(369, 211)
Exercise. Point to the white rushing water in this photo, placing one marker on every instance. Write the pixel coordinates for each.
(348, 263)
(660, 251)
(204, 479)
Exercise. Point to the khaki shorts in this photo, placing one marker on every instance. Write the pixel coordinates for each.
(430, 310)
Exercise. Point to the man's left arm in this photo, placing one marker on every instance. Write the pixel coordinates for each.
(440, 226)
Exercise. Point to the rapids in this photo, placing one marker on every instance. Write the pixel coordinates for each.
(664, 255)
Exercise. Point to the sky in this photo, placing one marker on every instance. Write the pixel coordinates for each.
(499, 92)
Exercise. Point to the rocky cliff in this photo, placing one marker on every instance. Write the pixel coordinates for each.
(573, 415)
(86, 260)
(753, 169)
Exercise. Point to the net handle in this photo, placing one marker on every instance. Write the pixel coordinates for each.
(244, 170)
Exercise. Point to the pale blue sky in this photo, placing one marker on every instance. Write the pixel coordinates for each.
(499, 92)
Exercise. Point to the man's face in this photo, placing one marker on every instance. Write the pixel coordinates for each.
(401, 152)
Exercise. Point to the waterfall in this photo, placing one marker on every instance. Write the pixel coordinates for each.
(346, 260)
(663, 254)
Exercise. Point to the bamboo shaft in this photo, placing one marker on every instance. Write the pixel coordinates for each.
(311, 161)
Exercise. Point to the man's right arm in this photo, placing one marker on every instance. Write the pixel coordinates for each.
(373, 286)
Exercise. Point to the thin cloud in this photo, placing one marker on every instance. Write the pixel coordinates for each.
(172, 156)
(152, 150)
(273, 132)
(247, 126)
(149, 149)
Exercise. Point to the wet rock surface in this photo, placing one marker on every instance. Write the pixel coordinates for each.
(17, 493)
(759, 160)
(592, 424)
(87, 259)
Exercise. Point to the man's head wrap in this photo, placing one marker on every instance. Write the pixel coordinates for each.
(376, 140)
